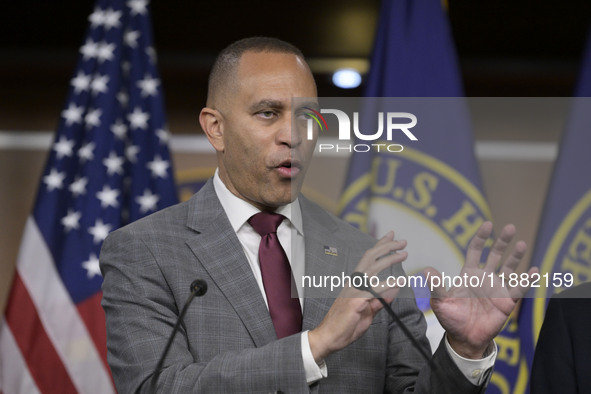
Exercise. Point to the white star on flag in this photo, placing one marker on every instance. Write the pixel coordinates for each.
(123, 98)
(108, 197)
(99, 231)
(119, 129)
(92, 266)
(95, 180)
(148, 86)
(114, 164)
(158, 167)
(72, 220)
(125, 67)
(131, 153)
(93, 118)
(130, 38)
(97, 18)
(99, 84)
(111, 19)
(89, 49)
(63, 147)
(72, 114)
(163, 135)
(105, 51)
(138, 7)
(86, 152)
(152, 53)
(147, 201)
(127, 182)
(78, 187)
(81, 82)
(138, 119)
(55, 180)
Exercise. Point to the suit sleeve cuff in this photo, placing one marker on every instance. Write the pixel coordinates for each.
(476, 371)
(314, 372)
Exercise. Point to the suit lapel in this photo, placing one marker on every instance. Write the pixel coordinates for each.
(216, 246)
(219, 251)
(320, 232)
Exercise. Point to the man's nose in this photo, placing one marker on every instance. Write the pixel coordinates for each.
(289, 133)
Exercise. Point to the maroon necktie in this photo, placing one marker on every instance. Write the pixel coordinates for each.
(285, 311)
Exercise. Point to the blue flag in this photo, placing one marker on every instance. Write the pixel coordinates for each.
(563, 243)
(108, 166)
(430, 193)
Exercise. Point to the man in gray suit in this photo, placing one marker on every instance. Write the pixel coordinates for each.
(229, 340)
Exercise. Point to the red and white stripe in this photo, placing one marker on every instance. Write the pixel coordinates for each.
(45, 345)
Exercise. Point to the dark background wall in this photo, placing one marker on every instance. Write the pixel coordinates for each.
(505, 47)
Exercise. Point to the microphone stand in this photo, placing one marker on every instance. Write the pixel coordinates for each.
(198, 288)
(396, 319)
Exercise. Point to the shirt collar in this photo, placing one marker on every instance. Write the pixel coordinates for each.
(239, 211)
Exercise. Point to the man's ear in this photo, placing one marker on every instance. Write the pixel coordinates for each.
(212, 124)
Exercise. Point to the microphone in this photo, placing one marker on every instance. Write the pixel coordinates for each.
(394, 316)
(388, 308)
(198, 288)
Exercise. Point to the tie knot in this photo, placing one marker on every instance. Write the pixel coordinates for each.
(265, 222)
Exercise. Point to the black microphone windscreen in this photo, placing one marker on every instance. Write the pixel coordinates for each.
(199, 286)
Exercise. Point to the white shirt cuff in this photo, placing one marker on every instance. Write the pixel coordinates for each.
(473, 370)
(314, 372)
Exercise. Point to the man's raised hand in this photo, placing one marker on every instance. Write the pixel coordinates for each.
(353, 311)
(473, 315)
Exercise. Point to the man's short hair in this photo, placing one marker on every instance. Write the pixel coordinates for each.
(229, 58)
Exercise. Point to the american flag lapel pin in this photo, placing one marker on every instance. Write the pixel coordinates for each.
(330, 250)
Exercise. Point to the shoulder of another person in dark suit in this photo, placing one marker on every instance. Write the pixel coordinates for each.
(574, 305)
(580, 291)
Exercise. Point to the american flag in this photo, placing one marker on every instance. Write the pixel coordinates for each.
(109, 165)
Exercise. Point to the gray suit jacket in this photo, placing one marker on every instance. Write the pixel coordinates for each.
(227, 343)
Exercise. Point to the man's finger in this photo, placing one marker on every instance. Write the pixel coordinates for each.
(499, 248)
(391, 257)
(519, 291)
(476, 245)
(381, 256)
(389, 236)
(514, 259)
(388, 295)
(435, 283)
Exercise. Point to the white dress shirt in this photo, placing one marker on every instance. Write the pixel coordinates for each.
(291, 237)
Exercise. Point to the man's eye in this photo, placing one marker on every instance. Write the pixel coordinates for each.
(266, 114)
(304, 115)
